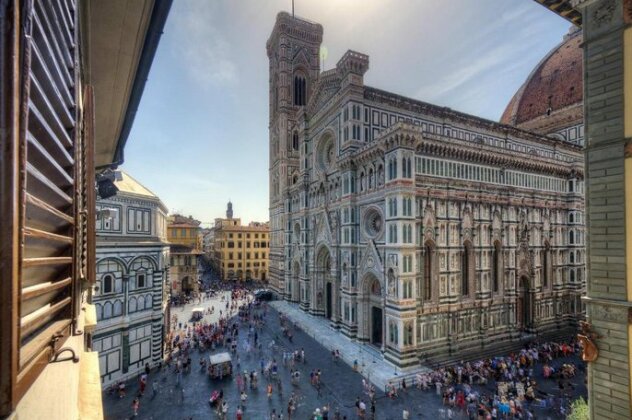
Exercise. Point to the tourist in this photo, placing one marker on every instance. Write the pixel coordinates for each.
(135, 406)
(405, 414)
(362, 407)
(121, 390)
(143, 383)
(243, 397)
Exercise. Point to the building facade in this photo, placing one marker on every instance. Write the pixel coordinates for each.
(240, 253)
(183, 233)
(131, 291)
(184, 271)
(416, 228)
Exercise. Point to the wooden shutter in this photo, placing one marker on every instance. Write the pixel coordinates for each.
(49, 162)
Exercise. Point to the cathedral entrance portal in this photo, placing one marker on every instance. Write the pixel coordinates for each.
(325, 292)
(328, 297)
(376, 325)
(371, 319)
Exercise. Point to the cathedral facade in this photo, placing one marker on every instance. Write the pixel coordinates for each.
(412, 227)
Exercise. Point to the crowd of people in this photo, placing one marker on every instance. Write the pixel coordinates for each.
(495, 388)
(503, 387)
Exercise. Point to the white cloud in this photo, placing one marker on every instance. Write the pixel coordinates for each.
(204, 51)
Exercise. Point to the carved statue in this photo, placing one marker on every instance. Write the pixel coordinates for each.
(587, 338)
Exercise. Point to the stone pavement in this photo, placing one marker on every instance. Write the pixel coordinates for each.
(371, 364)
(341, 385)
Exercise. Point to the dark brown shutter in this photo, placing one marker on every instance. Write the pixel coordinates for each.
(51, 188)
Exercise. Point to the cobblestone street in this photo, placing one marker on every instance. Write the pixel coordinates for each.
(341, 385)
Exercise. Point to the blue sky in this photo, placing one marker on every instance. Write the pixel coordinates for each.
(201, 132)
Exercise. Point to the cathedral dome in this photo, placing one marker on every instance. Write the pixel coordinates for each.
(552, 96)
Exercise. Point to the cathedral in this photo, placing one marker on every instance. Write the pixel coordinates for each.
(418, 229)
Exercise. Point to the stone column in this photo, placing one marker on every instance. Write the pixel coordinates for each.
(125, 293)
(608, 118)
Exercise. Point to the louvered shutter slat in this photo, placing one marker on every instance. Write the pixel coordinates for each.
(48, 272)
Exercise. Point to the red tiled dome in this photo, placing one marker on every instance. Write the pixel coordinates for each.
(556, 84)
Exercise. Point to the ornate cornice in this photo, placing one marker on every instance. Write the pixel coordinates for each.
(450, 115)
(441, 146)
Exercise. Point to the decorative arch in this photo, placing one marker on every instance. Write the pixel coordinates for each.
(143, 261)
(429, 223)
(371, 308)
(113, 267)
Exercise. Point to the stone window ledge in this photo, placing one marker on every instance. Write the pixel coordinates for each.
(66, 390)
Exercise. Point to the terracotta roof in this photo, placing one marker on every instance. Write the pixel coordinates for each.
(555, 84)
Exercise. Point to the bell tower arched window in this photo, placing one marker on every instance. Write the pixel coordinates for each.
(300, 92)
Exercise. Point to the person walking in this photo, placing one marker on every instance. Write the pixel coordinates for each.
(143, 383)
(135, 406)
(154, 389)
(405, 414)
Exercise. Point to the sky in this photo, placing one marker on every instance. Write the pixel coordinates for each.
(200, 136)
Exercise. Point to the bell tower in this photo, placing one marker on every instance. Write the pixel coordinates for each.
(293, 53)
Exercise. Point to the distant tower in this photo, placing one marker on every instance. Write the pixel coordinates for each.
(229, 210)
(294, 56)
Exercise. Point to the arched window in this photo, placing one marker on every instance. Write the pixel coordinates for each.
(572, 257)
(99, 309)
(107, 283)
(300, 98)
(496, 274)
(140, 303)
(572, 276)
(465, 267)
(370, 178)
(571, 237)
(428, 271)
(295, 141)
(148, 301)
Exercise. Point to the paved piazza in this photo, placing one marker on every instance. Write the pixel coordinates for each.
(341, 385)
